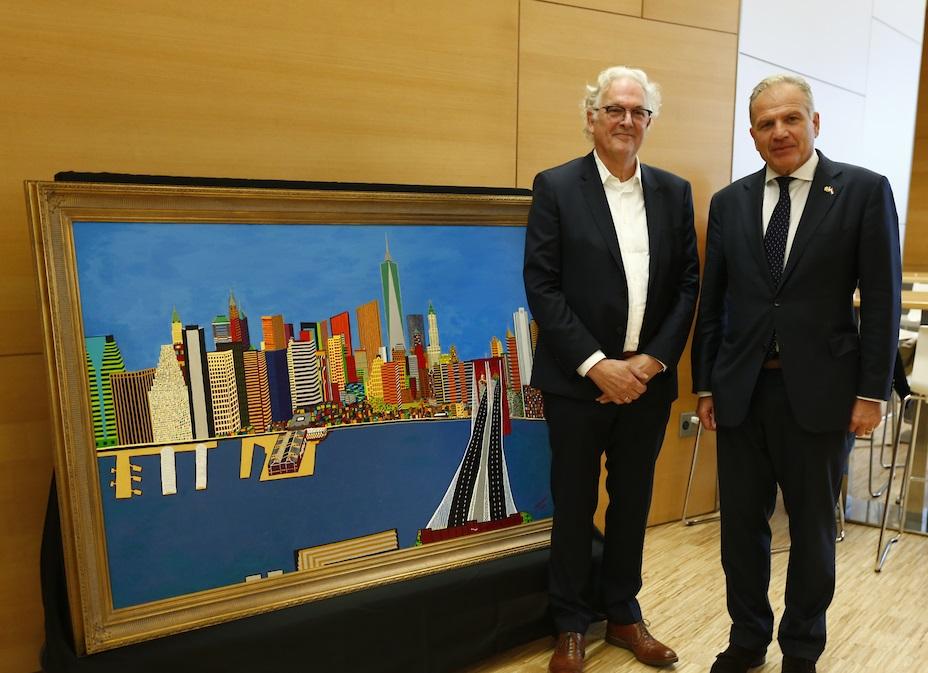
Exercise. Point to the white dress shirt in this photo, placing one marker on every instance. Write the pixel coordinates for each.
(626, 205)
(798, 195)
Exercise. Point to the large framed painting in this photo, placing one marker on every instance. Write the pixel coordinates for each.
(263, 397)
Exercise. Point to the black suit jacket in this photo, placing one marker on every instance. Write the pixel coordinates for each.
(575, 280)
(848, 235)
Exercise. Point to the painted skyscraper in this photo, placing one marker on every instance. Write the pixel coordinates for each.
(167, 400)
(392, 302)
(341, 326)
(335, 350)
(103, 358)
(224, 390)
(515, 374)
(415, 324)
(523, 344)
(130, 399)
(273, 333)
(374, 388)
(177, 339)
(238, 323)
(434, 349)
(305, 384)
(278, 383)
(369, 332)
(258, 392)
(238, 350)
(198, 393)
(222, 330)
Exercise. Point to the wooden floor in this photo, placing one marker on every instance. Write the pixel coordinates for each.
(878, 623)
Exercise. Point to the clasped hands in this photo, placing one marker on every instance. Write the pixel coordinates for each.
(623, 381)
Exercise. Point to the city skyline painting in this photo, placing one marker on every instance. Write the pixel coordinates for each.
(327, 385)
(304, 273)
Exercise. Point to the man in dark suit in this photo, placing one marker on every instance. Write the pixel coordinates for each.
(611, 276)
(783, 370)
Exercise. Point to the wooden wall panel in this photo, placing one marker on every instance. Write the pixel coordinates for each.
(410, 92)
(25, 475)
(718, 15)
(629, 7)
(915, 249)
(563, 48)
(367, 91)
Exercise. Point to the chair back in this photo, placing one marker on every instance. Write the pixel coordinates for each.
(918, 380)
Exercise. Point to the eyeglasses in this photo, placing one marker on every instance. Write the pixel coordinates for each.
(617, 113)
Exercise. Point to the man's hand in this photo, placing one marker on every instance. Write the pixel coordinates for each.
(618, 380)
(865, 416)
(646, 367)
(705, 409)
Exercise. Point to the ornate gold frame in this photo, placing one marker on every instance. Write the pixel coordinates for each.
(53, 207)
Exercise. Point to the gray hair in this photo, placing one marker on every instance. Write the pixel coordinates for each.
(652, 91)
(782, 78)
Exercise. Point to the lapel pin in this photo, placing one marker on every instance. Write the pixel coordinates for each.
(830, 189)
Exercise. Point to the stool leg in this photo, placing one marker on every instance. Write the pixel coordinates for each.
(883, 551)
(840, 517)
(875, 492)
(906, 479)
(890, 413)
(689, 486)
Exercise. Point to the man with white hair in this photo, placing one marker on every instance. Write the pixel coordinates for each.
(784, 371)
(611, 275)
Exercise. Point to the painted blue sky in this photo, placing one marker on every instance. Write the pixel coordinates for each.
(132, 275)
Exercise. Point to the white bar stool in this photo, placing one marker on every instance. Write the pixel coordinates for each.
(918, 382)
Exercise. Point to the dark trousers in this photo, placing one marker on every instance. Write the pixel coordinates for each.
(767, 449)
(579, 432)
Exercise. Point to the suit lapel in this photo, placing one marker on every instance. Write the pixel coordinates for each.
(753, 215)
(656, 214)
(592, 188)
(824, 191)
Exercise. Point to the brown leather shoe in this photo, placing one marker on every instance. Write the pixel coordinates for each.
(644, 646)
(568, 653)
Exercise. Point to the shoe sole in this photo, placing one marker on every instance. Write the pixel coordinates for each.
(650, 662)
(757, 663)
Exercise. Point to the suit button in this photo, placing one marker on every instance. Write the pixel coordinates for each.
(776, 304)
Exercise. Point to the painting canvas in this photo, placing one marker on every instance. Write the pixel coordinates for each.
(282, 396)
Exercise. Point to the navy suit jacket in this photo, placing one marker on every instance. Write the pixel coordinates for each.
(848, 235)
(575, 280)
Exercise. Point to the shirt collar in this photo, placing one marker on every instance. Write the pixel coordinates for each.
(805, 172)
(604, 174)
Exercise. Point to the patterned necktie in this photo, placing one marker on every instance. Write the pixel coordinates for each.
(775, 249)
(777, 230)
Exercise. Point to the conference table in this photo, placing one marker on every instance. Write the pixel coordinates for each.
(909, 277)
(911, 299)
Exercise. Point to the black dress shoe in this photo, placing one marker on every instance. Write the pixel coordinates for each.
(737, 659)
(797, 665)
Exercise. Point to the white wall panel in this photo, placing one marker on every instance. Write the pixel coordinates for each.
(841, 111)
(822, 39)
(906, 16)
(889, 110)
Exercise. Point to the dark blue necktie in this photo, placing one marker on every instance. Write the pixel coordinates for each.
(777, 231)
(775, 247)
